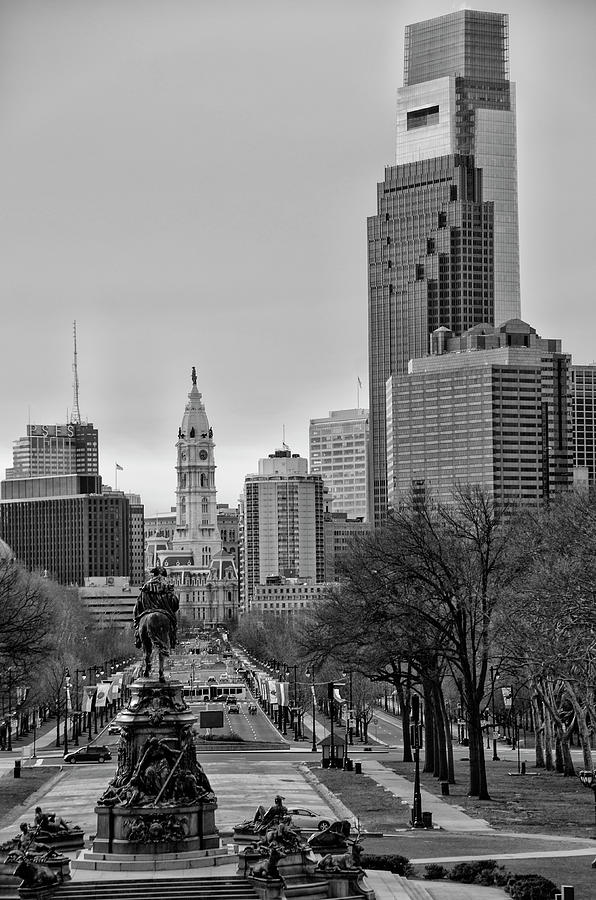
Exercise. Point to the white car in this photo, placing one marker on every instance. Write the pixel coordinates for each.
(308, 820)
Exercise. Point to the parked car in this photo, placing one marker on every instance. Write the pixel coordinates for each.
(114, 729)
(307, 819)
(90, 753)
(233, 708)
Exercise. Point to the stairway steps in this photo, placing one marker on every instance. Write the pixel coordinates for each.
(226, 888)
(413, 889)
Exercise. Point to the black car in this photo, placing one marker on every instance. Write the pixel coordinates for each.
(90, 753)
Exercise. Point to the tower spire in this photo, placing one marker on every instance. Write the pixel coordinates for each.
(75, 416)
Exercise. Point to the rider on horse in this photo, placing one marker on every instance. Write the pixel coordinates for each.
(156, 594)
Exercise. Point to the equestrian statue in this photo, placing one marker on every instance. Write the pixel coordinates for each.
(155, 619)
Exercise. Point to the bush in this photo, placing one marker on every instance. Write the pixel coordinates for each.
(390, 862)
(530, 887)
(434, 872)
(485, 872)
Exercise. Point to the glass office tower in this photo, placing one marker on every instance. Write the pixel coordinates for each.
(457, 98)
(443, 247)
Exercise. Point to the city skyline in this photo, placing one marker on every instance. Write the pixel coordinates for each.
(184, 187)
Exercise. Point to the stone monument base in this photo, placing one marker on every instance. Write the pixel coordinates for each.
(160, 830)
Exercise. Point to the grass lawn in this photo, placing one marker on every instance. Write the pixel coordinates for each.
(541, 802)
(372, 804)
(546, 803)
(14, 791)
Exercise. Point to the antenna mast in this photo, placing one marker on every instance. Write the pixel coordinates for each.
(75, 416)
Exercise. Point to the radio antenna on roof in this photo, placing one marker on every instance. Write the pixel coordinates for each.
(75, 416)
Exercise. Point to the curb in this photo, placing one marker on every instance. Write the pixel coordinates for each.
(340, 810)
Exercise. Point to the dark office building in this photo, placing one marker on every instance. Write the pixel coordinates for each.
(431, 264)
(62, 527)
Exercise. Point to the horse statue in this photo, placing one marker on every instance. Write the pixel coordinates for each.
(155, 619)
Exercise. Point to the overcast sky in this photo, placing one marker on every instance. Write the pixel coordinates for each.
(190, 181)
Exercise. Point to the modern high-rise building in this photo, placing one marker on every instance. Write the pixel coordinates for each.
(490, 408)
(583, 403)
(338, 451)
(204, 575)
(55, 450)
(58, 517)
(443, 246)
(282, 530)
(457, 98)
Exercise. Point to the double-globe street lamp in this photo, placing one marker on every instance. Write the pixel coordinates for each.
(350, 674)
(76, 722)
(9, 728)
(310, 673)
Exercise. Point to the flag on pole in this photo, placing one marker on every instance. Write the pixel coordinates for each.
(119, 468)
(101, 697)
(88, 697)
(359, 383)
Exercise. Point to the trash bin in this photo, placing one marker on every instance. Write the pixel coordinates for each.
(445, 788)
(358, 768)
(325, 762)
(349, 765)
(17, 768)
(427, 819)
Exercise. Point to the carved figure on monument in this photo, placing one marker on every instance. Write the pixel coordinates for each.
(263, 820)
(49, 821)
(333, 838)
(137, 833)
(268, 867)
(351, 859)
(155, 619)
(34, 874)
(27, 841)
(283, 835)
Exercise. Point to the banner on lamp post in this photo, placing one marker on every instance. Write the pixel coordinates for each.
(88, 698)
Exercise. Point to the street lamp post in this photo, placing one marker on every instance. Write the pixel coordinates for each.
(416, 741)
(350, 674)
(295, 704)
(284, 708)
(76, 728)
(310, 673)
(9, 736)
(492, 700)
(66, 696)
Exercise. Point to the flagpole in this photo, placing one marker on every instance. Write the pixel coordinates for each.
(115, 476)
(357, 393)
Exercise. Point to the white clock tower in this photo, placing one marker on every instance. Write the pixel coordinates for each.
(196, 505)
(204, 576)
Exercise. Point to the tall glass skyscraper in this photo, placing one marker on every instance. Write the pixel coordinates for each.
(457, 98)
(443, 247)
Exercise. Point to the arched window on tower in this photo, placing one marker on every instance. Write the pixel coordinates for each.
(192, 432)
(205, 506)
(203, 480)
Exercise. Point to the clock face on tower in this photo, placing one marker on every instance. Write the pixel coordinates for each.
(203, 454)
